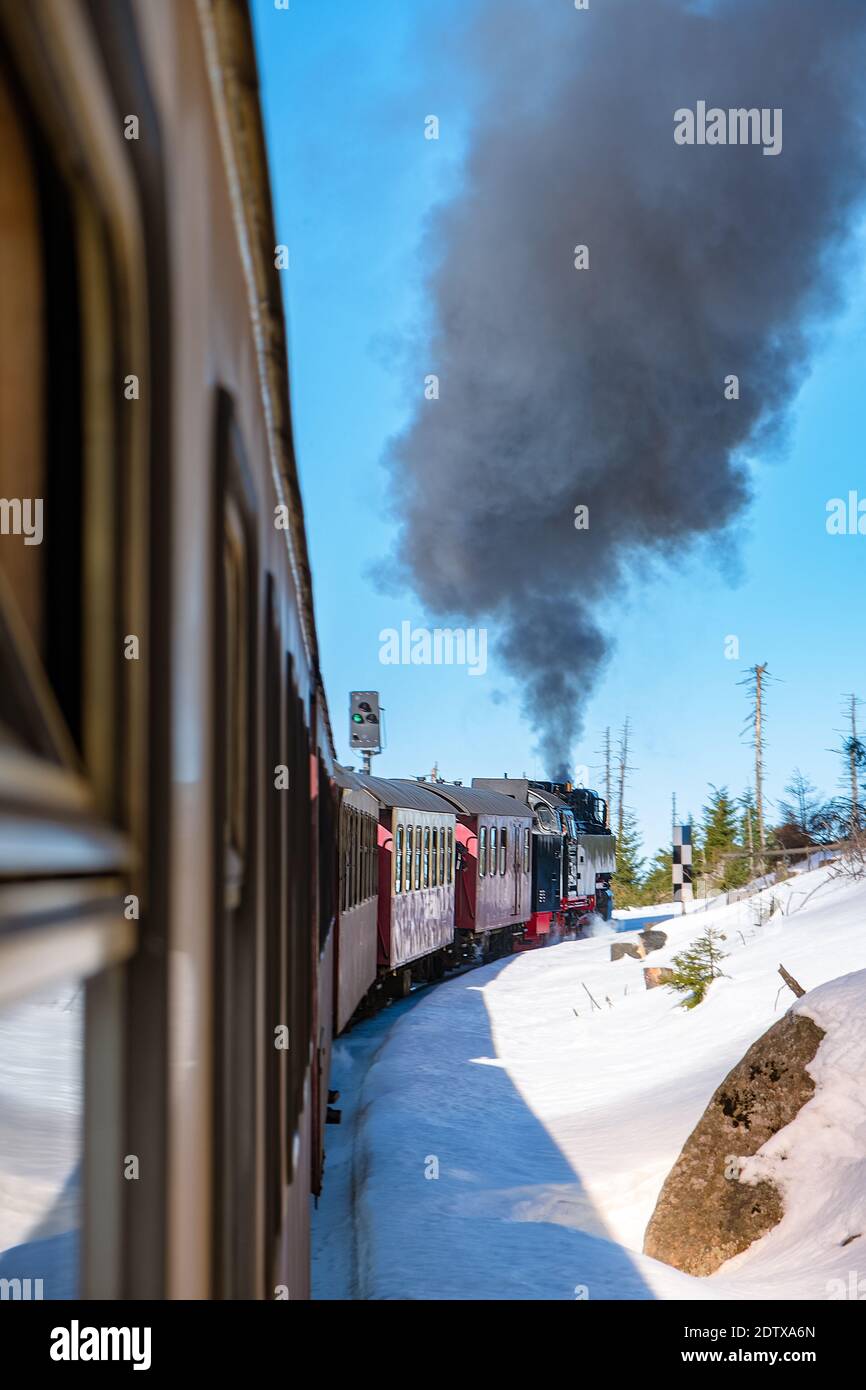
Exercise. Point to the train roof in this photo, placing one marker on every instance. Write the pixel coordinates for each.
(227, 34)
(413, 795)
(347, 779)
(515, 787)
(474, 801)
(359, 796)
(518, 787)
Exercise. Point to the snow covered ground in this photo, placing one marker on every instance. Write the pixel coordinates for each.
(504, 1139)
(41, 1107)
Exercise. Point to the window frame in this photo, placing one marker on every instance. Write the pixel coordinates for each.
(399, 842)
(90, 815)
(237, 946)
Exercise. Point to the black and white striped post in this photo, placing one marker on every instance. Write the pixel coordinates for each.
(681, 866)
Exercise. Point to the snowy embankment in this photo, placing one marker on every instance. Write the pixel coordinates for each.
(506, 1139)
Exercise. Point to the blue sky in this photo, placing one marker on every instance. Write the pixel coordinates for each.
(346, 87)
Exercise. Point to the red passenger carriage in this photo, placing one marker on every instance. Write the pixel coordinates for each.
(416, 881)
(493, 868)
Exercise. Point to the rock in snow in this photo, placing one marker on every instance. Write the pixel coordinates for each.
(655, 975)
(705, 1214)
(653, 940)
(619, 949)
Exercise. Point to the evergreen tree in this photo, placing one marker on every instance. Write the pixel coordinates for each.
(696, 968)
(656, 886)
(719, 833)
(629, 863)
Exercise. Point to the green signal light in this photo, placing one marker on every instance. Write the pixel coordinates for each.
(357, 718)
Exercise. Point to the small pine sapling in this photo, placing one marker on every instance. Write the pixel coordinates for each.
(696, 968)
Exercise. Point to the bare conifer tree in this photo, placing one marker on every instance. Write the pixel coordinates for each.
(754, 682)
(856, 753)
(623, 772)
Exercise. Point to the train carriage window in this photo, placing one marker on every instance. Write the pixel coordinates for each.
(300, 920)
(56, 327)
(450, 855)
(24, 271)
(356, 840)
(482, 851)
(365, 840)
(417, 856)
(359, 857)
(327, 862)
(427, 856)
(526, 851)
(434, 857)
(493, 860)
(364, 843)
(350, 857)
(274, 944)
(237, 1015)
(503, 851)
(410, 842)
(235, 676)
(398, 859)
(442, 834)
(347, 858)
(344, 857)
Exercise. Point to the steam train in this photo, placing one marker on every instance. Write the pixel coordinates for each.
(194, 895)
(463, 873)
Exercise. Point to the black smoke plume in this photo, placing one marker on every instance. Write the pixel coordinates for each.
(604, 387)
